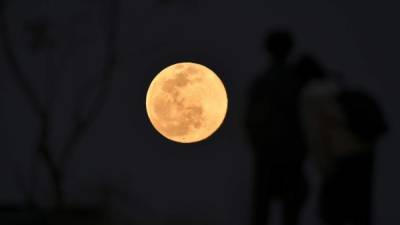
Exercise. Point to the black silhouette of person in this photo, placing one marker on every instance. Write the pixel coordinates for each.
(346, 192)
(342, 125)
(274, 131)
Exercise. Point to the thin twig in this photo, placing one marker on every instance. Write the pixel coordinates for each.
(11, 58)
(34, 101)
(100, 100)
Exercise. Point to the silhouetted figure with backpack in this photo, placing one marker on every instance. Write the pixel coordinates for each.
(274, 131)
(347, 191)
(343, 125)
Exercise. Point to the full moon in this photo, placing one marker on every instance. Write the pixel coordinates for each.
(186, 102)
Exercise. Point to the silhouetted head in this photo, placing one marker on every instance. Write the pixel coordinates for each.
(308, 68)
(279, 44)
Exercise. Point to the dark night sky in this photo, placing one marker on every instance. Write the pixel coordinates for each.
(157, 179)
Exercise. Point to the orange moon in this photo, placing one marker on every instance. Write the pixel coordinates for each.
(186, 102)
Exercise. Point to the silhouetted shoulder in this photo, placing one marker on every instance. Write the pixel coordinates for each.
(363, 113)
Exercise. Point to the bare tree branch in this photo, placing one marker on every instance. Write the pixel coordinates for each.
(83, 124)
(33, 99)
(57, 170)
(28, 91)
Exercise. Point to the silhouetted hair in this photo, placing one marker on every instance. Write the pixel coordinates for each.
(279, 43)
(308, 68)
